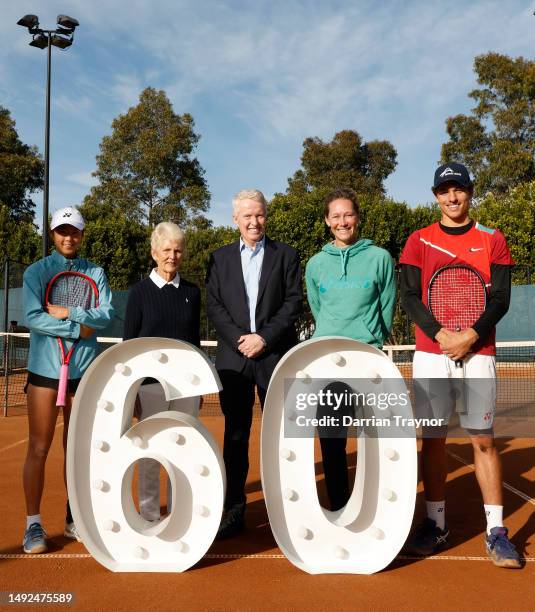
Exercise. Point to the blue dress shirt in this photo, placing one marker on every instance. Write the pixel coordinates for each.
(251, 264)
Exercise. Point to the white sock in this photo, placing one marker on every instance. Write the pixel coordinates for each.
(494, 516)
(436, 510)
(34, 518)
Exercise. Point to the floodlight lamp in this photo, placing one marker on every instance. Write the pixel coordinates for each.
(63, 31)
(40, 41)
(59, 41)
(29, 21)
(68, 22)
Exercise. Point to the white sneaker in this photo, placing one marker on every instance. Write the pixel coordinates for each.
(70, 532)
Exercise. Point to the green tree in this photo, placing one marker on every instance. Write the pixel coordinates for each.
(19, 240)
(514, 216)
(497, 141)
(21, 171)
(145, 167)
(346, 161)
(120, 246)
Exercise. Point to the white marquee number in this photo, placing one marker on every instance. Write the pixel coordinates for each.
(366, 535)
(103, 448)
(363, 537)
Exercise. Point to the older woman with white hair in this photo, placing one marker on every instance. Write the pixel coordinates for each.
(163, 305)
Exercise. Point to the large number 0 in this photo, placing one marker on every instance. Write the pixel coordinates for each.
(103, 448)
(367, 534)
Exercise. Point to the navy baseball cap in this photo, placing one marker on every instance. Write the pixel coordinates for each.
(454, 173)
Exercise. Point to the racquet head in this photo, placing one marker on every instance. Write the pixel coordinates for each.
(457, 297)
(72, 289)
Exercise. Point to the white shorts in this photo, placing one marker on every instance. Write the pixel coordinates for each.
(440, 388)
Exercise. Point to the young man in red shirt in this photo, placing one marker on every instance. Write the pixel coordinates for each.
(457, 240)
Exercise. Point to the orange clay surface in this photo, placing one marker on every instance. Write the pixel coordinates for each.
(250, 573)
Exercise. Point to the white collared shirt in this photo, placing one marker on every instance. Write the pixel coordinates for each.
(160, 282)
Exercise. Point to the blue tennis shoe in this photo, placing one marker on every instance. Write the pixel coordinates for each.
(501, 550)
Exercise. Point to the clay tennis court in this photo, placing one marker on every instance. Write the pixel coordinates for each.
(250, 573)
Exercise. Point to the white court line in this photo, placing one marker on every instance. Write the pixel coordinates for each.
(15, 444)
(506, 485)
(242, 556)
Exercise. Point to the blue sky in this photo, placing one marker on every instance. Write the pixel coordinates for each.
(258, 77)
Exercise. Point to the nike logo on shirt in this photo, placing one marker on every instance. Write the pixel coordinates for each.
(474, 250)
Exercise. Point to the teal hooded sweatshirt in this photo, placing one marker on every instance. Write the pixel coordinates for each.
(352, 292)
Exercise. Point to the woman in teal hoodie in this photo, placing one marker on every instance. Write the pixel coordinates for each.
(352, 293)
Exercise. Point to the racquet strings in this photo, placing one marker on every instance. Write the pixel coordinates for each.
(70, 291)
(457, 298)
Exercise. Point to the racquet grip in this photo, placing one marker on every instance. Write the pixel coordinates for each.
(62, 386)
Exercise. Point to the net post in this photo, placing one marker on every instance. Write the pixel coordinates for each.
(6, 337)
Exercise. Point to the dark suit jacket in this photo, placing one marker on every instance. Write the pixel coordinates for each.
(277, 308)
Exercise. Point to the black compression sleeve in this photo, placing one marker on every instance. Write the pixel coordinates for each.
(411, 301)
(498, 300)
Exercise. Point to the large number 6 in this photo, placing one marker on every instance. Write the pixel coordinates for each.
(366, 535)
(103, 448)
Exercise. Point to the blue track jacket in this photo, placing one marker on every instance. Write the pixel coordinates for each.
(45, 357)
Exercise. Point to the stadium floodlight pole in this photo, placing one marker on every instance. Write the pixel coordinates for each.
(61, 37)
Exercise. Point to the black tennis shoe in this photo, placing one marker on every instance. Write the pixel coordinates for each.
(232, 523)
(428, 539)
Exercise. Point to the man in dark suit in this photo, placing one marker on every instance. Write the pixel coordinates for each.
(253, 298)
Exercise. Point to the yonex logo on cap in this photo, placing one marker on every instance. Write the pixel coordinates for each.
(449, 172)
(67, 216)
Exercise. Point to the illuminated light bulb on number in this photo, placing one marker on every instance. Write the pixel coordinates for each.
(182, 547)
(377, 533)
(177, 438)
(99, 485)
(202, 511)
(101, 445)
(389, 495)
(191, 378)
(111, 525)
(372, 375)
(137, 441)
(338, 359)
(141, 553)
(305, 533)
(391, 454)
(290, 495)
(341, 553)
(303, 376)
(103, 404)
(287, 454)
(157, 355)
(202, 470)
(120, 368)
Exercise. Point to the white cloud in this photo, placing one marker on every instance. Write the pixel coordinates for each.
(82, 179)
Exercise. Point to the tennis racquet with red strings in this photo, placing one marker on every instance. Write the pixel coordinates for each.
(69, 289)
(457, 297)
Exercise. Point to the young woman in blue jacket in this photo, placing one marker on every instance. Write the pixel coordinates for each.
(47, 322)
